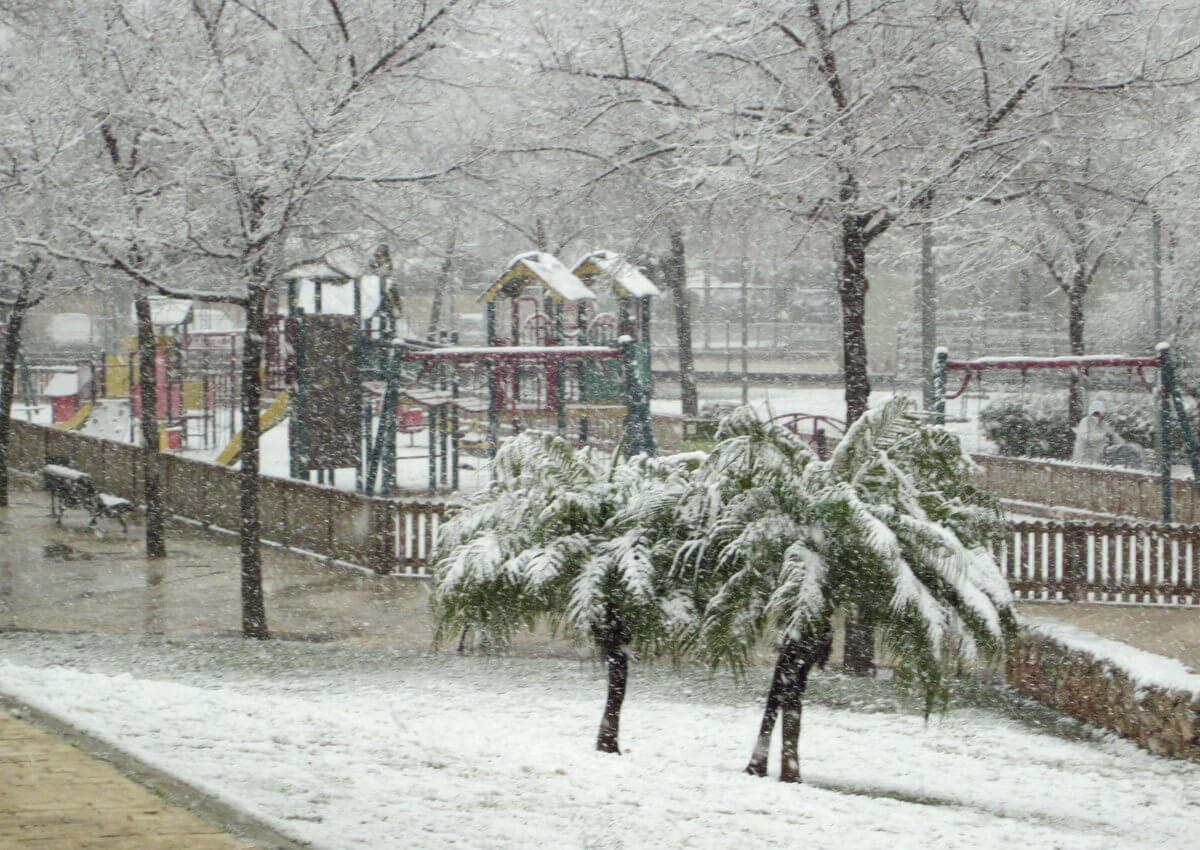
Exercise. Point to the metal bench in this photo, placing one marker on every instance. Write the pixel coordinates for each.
(70, 488)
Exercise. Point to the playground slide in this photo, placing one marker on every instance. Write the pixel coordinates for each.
(267, 420)
(76, 421)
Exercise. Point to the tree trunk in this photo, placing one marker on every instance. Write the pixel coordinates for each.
(612, 638)
(928, 309)
(437, 306)
(784, 664)
(852, 287)
(792, 702)
(675, 272)
(8, 374)
(254, 614)
(859, 655)
(794, 662)
(1075, 295)
(156, 546)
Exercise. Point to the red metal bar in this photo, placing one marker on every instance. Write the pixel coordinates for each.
(1085, 362)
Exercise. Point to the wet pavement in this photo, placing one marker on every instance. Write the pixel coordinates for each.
(97, 580)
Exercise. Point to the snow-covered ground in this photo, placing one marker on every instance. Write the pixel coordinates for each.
(354, 749)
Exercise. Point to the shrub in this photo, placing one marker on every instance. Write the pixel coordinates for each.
(1020, 428)
(1039, 428)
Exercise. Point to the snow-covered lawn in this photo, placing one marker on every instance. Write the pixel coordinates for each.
(355, 749)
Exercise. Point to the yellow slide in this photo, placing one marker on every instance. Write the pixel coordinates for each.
(76, 421)
(269, 418)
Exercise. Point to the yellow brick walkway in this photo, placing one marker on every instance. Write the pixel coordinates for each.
(55, 796)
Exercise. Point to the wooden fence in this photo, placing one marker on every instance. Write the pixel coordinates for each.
(389, 536)
(1074, 561)
(1139, 562)
(1099, 490)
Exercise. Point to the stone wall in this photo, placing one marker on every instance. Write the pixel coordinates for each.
(1100, 692)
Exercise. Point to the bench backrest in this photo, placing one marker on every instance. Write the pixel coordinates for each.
(66, 473)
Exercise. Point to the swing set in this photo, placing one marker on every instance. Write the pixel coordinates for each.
(1170, 398)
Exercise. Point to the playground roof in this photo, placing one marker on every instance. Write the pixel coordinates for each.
(337, 295)
(625, 277)
(62, 384)
(540, 269)
(338, 264)
(168, 312)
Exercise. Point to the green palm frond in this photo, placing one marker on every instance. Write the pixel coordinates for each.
(775, 540)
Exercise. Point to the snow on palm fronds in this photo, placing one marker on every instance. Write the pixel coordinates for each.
(561, 535)
(889, 525)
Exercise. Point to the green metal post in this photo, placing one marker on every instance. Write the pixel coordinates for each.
(644, 339)
(1164, 431)
(940, 358)
(433, 417)
(1185, 426)
(560, 383)
(388, 423)
(639, 436)
(26, 379)
(454, 426)
(493, 413)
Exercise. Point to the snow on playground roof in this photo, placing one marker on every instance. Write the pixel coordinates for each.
(337, 295)
(62, 384)
(545, 270)
(338, 264)
(623, 275)
(313, 271)
(167, 312)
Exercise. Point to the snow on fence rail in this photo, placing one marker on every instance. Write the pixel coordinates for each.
(1091, 489)
(1077, 561)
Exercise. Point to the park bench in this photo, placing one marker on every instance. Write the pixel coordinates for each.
(70, 488)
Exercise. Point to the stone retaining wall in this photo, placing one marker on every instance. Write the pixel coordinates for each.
(1102, 693)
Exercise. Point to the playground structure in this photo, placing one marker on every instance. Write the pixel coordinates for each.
(814, 428)
(1171, 406)
(196, 379)
(554, 358)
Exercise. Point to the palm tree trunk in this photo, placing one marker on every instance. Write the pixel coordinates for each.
(794, 662)
(793, 703)
(784, 662)
(612, 638)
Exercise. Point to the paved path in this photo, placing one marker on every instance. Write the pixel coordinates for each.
(54, 795)
(1173, 632)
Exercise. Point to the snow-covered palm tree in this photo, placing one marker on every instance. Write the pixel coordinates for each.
(890, 527)
(567, 537)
